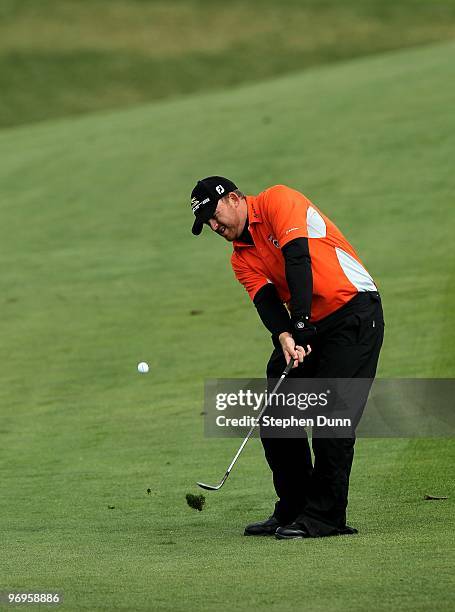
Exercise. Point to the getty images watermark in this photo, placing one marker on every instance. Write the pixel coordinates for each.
(331, 408)
(252, 400)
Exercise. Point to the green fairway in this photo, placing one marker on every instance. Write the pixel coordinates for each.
(100, 271)
(64, 57)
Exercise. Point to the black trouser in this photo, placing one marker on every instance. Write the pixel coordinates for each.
(317, 496)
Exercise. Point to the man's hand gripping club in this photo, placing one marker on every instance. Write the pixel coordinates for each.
(291, 350)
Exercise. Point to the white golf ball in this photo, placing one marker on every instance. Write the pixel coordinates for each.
(143, 367)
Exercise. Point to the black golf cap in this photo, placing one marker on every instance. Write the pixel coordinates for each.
(204, 199)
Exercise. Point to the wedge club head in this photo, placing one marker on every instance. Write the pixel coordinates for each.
(208, 487)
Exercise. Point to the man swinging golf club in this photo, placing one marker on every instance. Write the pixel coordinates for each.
(310, 290)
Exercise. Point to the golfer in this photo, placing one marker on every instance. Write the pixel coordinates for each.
(320, 304)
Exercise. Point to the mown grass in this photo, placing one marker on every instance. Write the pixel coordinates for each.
(64, 57)
(100, 271)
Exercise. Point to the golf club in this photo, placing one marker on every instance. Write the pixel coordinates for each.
(242, 446)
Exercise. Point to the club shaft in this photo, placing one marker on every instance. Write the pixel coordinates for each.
(264, 408)
(253, 427)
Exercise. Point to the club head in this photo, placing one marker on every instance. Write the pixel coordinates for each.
(209, 487)
(212, 487)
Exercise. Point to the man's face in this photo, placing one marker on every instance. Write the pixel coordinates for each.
(229, 217)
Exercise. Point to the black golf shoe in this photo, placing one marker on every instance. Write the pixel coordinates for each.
(294, 531)
(263, 528)
(291, 532)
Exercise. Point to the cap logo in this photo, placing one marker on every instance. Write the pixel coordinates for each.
(195, 204)
(219, 189)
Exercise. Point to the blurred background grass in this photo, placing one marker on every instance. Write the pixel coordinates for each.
(64, 57)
